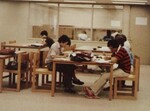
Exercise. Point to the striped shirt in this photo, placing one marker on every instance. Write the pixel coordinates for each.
(123, 60)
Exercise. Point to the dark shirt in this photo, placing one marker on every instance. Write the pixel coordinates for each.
(107, 38)
(49, 41)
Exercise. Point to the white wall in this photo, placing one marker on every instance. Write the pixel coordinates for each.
(17, 19)
(13, 21)
(82, 17)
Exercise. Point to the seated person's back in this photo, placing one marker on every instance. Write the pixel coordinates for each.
(108, 36)
(82, 36)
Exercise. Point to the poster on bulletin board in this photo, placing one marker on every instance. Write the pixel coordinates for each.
(141, 21)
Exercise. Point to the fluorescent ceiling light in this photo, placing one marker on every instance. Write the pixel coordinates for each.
(130, 0)
(128, 3)
(81, 1)
(141, 2)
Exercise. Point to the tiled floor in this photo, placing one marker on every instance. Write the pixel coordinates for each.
(25, 100)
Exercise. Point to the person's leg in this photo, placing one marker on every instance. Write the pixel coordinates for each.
(75, 80)
(68, 72)
(98, 85)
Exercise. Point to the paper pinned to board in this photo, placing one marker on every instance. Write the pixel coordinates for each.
(115, 23)
(141, 21)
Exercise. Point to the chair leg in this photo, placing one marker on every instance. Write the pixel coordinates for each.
(33, 82)
(18, 82)
(10, 78)
(43, 79)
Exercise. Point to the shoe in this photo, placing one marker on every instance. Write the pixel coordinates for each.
(78, 82)
(70, 90)
(89, 94)
(92, 97)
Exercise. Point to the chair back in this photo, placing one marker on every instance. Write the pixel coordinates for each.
(44, 57)
(137, 69)
(35, 60)
(12, 41)
(136, 66)
(1, 45)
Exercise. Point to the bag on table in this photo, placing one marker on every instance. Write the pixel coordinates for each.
(7, 51)
(80, 57)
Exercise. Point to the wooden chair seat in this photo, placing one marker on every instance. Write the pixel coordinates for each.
(43, 70)
(129, 91)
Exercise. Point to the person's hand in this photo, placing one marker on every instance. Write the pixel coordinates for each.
(107, 58)
(65, 55)
(73, 47)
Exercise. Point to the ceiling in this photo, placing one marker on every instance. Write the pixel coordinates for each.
(112, 2)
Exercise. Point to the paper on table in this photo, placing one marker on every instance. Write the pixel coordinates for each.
(36, 44)
(64, 59)
(104, 49)
(102, 61)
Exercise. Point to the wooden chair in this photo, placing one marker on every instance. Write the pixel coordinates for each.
(19, 75)
(12, 41)
(1, 45)
(8, 75)
(37, 83)
(129, 91)
(138, 71)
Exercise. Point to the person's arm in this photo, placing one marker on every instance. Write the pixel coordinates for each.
(59, 56)
(54, 54)
(113, 59)
(72, 47)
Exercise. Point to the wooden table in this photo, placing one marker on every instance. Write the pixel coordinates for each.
(25, 46)
(2, 60)
(67, 61)
(102, 49)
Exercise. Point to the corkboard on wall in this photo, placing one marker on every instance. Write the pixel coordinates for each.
(36, 30)
(67, 30)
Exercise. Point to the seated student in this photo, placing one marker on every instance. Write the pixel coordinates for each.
(108, 36)
(70, 47)
(68, 70)
(121, 57)
(46, 40)
(82, 36)
(122, 40)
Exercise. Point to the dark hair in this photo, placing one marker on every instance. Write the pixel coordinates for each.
(113, 44)
(124, 37)
(120, 38)
(63, 39)
(69, 42)
(108, 32)
(44, 32)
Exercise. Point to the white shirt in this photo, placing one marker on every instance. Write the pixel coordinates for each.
(54, 50)
(127, 45)
(82, 36)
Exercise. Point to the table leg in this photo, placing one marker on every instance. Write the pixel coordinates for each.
(111, 82)
(1, 74)
(53, 79)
